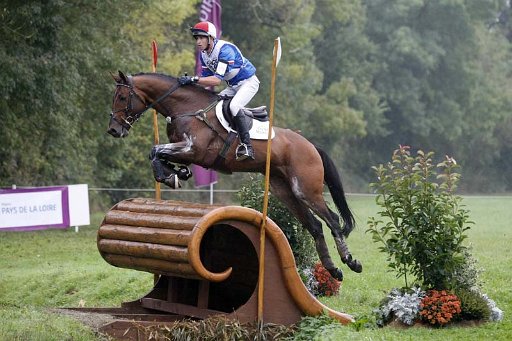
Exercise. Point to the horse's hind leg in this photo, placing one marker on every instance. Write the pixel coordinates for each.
(332, 220)
(310, 194)
(281, 190)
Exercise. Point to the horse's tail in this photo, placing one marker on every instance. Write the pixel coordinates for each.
(333, 180)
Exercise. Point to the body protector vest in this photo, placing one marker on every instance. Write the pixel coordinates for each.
(227, 63)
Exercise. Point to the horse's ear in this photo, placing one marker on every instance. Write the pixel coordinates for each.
(116, 78)
(123, 78)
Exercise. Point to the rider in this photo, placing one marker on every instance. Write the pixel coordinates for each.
(222, 60)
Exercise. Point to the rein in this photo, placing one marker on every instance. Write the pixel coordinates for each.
(131, 117)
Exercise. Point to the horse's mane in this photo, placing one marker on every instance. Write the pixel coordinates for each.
(168, 77)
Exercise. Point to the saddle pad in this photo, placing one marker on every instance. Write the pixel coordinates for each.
(259, 130)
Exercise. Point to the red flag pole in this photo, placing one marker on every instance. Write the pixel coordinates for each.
(155, 116)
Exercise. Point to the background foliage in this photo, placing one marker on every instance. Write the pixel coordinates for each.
(357, 78)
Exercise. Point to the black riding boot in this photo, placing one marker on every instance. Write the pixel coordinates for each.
(244, 149)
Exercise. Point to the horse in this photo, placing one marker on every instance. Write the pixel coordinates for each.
(298, 169)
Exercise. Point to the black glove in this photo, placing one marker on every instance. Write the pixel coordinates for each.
(184, 80)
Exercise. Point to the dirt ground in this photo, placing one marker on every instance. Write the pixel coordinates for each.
(93, 320)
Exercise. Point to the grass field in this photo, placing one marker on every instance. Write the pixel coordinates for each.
(43, 270)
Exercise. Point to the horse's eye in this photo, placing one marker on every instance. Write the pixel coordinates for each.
(122, 98)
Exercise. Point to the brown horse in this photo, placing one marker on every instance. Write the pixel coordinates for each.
(298, 169)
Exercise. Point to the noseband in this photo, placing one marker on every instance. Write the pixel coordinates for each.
(130, 117)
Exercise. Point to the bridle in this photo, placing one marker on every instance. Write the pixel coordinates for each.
(130, 117)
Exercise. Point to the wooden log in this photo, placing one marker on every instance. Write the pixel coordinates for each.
(175, 208)
(144, 250)
(156, 266)
(116, 217)
(144, 234)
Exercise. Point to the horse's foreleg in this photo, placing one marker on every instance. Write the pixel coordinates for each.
(164, 172)
(162, 157)
(176, 152)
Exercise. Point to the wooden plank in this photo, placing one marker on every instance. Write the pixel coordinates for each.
(202, 296)
(178, 308)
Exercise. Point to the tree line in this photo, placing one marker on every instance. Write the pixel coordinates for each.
(358, 78)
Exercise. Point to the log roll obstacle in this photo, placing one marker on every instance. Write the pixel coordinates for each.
(206, 258)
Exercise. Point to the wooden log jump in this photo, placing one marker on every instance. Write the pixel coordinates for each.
(206, 258)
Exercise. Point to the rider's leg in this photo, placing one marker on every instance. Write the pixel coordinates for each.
(244, 149)
(245, 91)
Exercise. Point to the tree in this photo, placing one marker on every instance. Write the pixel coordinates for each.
(434, 79)
(56, 91)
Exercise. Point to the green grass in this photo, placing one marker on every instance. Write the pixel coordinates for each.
(42, 270)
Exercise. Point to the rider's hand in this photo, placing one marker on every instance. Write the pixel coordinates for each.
(184, 80)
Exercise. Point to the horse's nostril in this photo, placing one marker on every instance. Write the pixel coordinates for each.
(113, 132)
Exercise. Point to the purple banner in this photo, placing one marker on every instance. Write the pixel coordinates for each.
(210, 10)
(34, 208)
(203, 177)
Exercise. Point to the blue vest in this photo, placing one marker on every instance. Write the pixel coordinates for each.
(227, 63)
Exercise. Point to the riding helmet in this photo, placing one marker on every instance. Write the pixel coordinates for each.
(204, 28)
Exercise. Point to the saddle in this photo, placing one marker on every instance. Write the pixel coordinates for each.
(256, 118)
(258, 113)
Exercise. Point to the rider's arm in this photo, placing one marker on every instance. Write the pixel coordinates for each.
(209, 81)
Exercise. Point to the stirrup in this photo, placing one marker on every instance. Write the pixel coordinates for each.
(242, 152)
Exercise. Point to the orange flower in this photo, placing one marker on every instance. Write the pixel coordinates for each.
(438, 308)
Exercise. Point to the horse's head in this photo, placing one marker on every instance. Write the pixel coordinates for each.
(127, 107)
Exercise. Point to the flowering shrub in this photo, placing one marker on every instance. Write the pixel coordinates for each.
(327, 285)
(309, 280)
(422, 228)
(424, 222)
(496, 313)
(403, 307)
(439, 307)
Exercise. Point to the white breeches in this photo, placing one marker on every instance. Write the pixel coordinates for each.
(242, 93)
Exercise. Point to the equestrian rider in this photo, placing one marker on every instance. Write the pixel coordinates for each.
(222, 60)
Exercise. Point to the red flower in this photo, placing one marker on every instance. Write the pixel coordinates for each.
(327, 285)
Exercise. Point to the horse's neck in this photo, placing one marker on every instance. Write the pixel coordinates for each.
(186, 99)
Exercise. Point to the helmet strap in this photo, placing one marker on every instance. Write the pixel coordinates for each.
(210, 40)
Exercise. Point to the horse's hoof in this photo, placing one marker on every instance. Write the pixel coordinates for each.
(184, 173)
(355, 266)
(336, 273)
(172, 181)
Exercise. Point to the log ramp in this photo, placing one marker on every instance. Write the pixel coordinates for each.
(206, 262)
